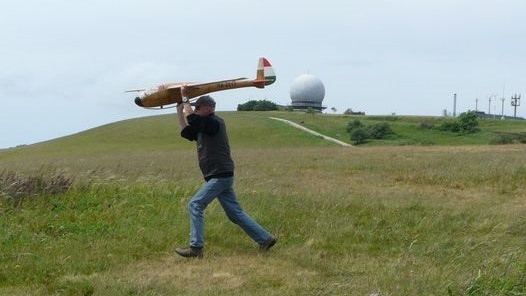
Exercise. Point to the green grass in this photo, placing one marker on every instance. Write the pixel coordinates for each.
(407, 129)
(411, 220)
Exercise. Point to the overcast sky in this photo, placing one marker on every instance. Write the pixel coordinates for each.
(64, 65)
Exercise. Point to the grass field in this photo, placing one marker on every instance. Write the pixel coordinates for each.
(446, 219)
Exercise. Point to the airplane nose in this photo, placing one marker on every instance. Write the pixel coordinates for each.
(138, 102)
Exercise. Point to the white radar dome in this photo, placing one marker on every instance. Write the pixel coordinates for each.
(307, 90)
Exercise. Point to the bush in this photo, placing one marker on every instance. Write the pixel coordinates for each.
(359, 132)
(354, 125)
(253, 105)
(508, 138)
(501, 139)
(466, 123)
(380, 130)
(449, 126)
(359, 135)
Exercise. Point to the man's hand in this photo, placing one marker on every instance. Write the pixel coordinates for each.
(184, 94)
(180, 107)
(186, 101)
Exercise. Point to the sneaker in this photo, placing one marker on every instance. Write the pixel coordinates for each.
(268, 244)
(190, 252)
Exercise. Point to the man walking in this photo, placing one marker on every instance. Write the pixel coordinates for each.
(209, 131)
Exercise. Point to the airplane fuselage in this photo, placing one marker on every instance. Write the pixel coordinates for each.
(167, 94)
(170, 93)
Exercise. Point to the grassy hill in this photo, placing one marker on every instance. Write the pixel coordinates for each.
(446, 219)
(256, 130)
(408, 129)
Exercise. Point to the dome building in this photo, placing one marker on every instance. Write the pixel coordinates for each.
(307, 91)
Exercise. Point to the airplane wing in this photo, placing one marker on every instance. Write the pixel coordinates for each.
(191, 85)
(195, 90)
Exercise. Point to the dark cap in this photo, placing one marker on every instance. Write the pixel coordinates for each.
(204, 101)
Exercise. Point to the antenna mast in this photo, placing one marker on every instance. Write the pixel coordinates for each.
(515, 102)
(454, 105)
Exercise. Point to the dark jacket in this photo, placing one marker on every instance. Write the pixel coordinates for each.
(213, 149)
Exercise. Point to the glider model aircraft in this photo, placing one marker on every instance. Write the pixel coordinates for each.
(170, 93)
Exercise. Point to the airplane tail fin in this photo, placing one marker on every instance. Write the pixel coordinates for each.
(265, 73)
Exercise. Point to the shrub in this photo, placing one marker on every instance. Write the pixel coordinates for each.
(466, 123)
(359, 135)
(261, 105)
(359, 132)
(508, 138)
(354, 125)
(449, 126)
(501, 139)
(380, 130)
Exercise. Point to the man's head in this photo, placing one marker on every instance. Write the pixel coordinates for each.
(204, 105)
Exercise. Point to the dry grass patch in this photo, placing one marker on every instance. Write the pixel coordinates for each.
(213, 275)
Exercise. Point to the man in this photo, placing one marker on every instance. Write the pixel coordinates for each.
(215, 162)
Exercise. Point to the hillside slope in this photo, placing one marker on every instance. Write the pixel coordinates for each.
(250, 130)
(161, 133)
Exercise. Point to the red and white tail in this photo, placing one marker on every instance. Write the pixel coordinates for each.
(265, 72)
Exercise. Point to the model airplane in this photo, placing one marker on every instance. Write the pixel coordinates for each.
(170, 93)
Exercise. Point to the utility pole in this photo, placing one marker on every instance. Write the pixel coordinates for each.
(454, 105)
(502, 112)
(503, 98)
(515, 102)
(477, 104)
(489, 105)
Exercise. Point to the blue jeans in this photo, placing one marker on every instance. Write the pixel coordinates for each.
(222, 189)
